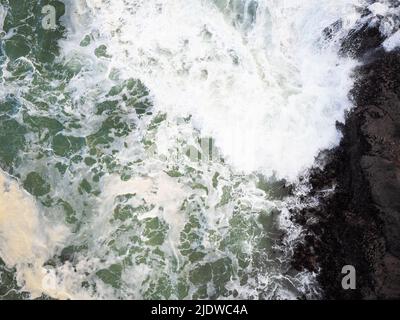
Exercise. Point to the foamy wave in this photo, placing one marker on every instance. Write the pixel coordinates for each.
(269, 91)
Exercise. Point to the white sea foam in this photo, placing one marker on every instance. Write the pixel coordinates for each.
(269, 91)
(392, 42)
(379, 8)
(27, 239)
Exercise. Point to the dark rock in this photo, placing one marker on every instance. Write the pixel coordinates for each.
(359, 223)
(360, 41)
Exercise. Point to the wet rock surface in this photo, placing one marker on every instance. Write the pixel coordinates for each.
(359, 223)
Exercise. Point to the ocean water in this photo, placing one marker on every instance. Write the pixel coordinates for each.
(151, 149)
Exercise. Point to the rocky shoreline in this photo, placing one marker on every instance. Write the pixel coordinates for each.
(359, 223)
